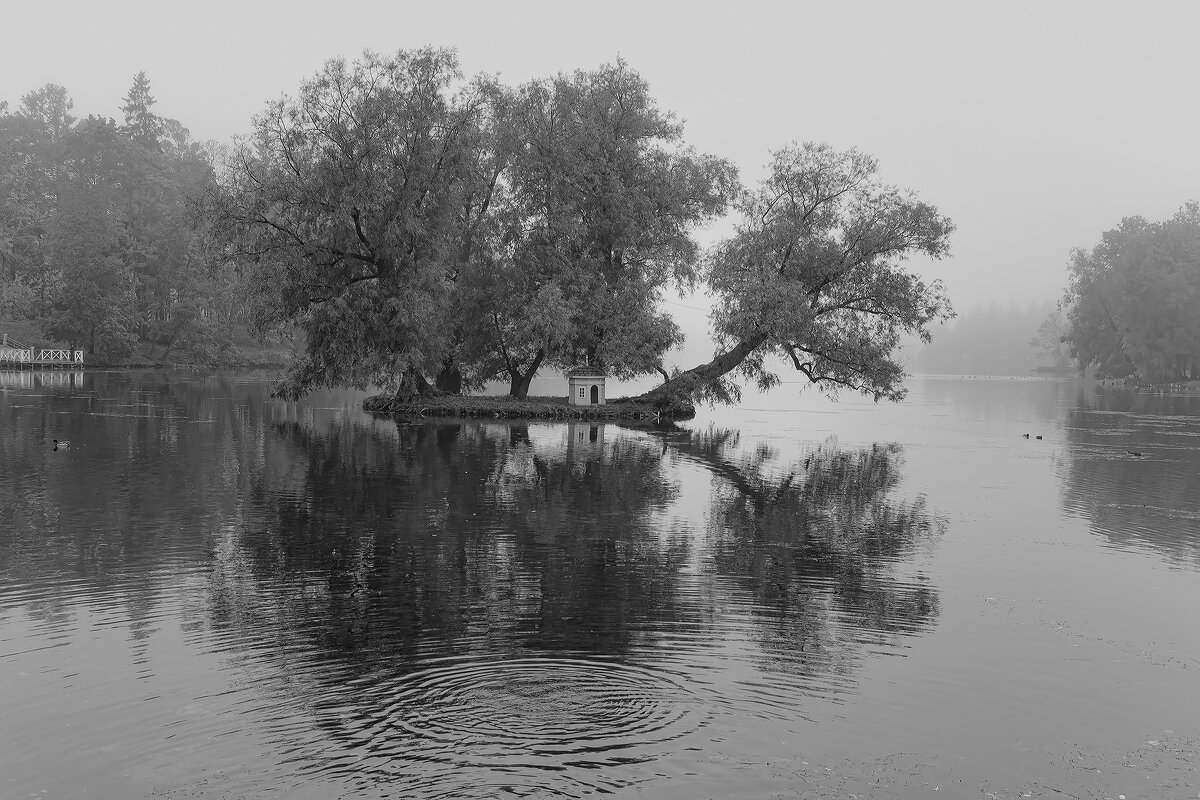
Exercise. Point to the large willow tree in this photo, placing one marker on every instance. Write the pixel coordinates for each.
(417, 225)
(600, 202)
(357, 201)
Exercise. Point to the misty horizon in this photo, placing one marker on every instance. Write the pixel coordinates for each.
(1033, 128)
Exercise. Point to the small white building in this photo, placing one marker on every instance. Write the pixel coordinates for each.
(585, 387)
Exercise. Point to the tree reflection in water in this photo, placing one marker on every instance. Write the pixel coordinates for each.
(1134, 470)
(817, 544)
(462, 538)
(128, 512)
(352, 574)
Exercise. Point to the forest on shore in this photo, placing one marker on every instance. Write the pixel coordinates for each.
(101, 245)
(410, 227)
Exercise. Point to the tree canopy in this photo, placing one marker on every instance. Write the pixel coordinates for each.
(815, 277)
(1131, 300)
(98, 241)
(358, 201)
(598, 205)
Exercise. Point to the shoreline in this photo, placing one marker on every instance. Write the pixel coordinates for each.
(97, 367)
(503, 406)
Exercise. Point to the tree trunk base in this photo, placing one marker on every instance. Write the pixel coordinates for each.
(679, 393)
(449, 380)
(672, 400)
(413, 385)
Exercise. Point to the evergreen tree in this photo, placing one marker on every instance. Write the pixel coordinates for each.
(141, 124)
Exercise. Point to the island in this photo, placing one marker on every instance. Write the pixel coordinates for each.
(504, 406)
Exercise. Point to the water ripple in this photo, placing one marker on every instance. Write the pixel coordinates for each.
(541, 712)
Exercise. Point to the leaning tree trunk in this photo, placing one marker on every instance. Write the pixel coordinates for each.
(674, 397)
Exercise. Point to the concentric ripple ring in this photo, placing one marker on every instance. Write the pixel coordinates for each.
(540, 710)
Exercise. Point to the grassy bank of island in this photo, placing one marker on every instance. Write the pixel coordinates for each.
(555, 408)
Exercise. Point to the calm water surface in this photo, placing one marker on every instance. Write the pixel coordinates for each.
(213, 594)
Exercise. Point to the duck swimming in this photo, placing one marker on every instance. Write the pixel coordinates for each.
(63, 445)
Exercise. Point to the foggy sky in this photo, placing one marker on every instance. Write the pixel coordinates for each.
(1034, 126)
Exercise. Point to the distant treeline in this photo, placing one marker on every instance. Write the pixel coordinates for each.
(996, 339)
(99, 245)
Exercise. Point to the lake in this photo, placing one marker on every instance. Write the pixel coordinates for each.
(214, 594)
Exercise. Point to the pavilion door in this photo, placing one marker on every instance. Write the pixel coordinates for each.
(595, 395)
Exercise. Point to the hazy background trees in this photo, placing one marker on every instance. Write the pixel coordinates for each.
(1131, 309)
(1133, 300)
(99, 248)
(996, 339)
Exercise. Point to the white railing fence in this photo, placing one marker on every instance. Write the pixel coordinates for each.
(13, 355)
(14, 352)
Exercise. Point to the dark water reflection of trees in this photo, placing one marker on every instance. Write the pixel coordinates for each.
(154, 463)
(461, 538)
(1134, 469)
(817, 541)
(332, 563)
(327, 539)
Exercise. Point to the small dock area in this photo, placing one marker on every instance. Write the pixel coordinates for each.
(15, 355)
